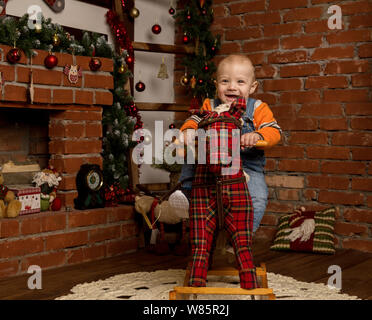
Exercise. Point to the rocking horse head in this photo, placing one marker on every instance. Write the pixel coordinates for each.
(222, 130)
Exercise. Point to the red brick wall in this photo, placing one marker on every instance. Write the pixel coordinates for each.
(73, 129)
(318, 83)
(56, 239)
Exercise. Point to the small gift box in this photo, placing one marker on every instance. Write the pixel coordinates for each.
(29, 196)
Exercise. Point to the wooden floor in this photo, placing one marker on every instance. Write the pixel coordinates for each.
(356, 271)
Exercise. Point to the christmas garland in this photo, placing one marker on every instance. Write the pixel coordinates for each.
(122, 118)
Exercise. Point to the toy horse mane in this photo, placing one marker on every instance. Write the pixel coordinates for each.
(220, 144)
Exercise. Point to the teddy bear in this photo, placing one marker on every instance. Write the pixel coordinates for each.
(9, 205)
(48, 180)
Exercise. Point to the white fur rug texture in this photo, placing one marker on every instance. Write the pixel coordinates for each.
(156, 286)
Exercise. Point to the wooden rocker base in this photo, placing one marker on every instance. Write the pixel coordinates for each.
(183, 293)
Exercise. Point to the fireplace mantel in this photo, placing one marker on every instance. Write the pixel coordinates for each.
(74, 110)
(52, 88)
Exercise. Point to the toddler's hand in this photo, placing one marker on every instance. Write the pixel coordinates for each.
(248, 140)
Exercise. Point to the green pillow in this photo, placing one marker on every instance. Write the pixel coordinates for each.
(306, 231)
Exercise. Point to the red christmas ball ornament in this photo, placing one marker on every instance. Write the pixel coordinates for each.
(50, 61)
(200, 81)
(172, 11)
(185, 39)
(95, 64)
(14, 55)
(172, 126)
(129, 60)
(156, 28)
(140, 86)
(188, 17)
(205, 68)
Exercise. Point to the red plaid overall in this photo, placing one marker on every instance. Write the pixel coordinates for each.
(237, 213)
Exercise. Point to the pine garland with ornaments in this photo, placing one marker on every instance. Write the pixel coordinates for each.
(195, 19)
(122, 118)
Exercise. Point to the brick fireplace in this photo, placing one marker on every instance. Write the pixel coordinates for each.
(64, 129)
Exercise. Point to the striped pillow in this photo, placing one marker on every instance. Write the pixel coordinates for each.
(307, 231)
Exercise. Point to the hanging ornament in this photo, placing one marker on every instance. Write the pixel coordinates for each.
(50, 61)
(163, 74)
(200, 81)
(129, 60)
(172, 126)
(184, 80)
(95, 64)
(14, 55)
(214, 48)
(134, 12)
(122, 68)
(206, 68)
(204, 12)
(156, 28)
(171, 11)
(38, 28)
(188, 17)
(140, 86)
(193, 82)
(185, 38)
(73, 73)
(56, 5)
(56, 40)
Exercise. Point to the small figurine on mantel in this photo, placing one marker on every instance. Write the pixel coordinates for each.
(9, 205)
(48, 180)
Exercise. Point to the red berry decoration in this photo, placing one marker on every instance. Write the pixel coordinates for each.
(50, 61)
(140, 86)
(172, 11)
(205, 68)
(156, 28)
(14, 55)
(185, 39)
(200, 81)
(95, 64)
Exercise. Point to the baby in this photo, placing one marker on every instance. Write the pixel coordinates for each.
(236, 78)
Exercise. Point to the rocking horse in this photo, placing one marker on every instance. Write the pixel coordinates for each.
(220, 202)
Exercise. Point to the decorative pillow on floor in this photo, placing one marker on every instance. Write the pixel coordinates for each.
(309, 231)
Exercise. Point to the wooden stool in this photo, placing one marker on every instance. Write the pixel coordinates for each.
(179, 293)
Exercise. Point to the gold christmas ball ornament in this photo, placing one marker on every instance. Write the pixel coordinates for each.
(56, 40)
(122, 69)
(38, 28)
(134, 12)
(184, 80)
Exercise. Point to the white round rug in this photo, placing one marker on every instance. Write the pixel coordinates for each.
(156, 286)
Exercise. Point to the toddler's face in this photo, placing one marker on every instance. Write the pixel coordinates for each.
(235, 78)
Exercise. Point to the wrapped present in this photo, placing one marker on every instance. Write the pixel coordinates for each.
(29, 196)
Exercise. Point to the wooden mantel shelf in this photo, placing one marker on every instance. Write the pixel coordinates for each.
(163, 48)
(42, 106)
